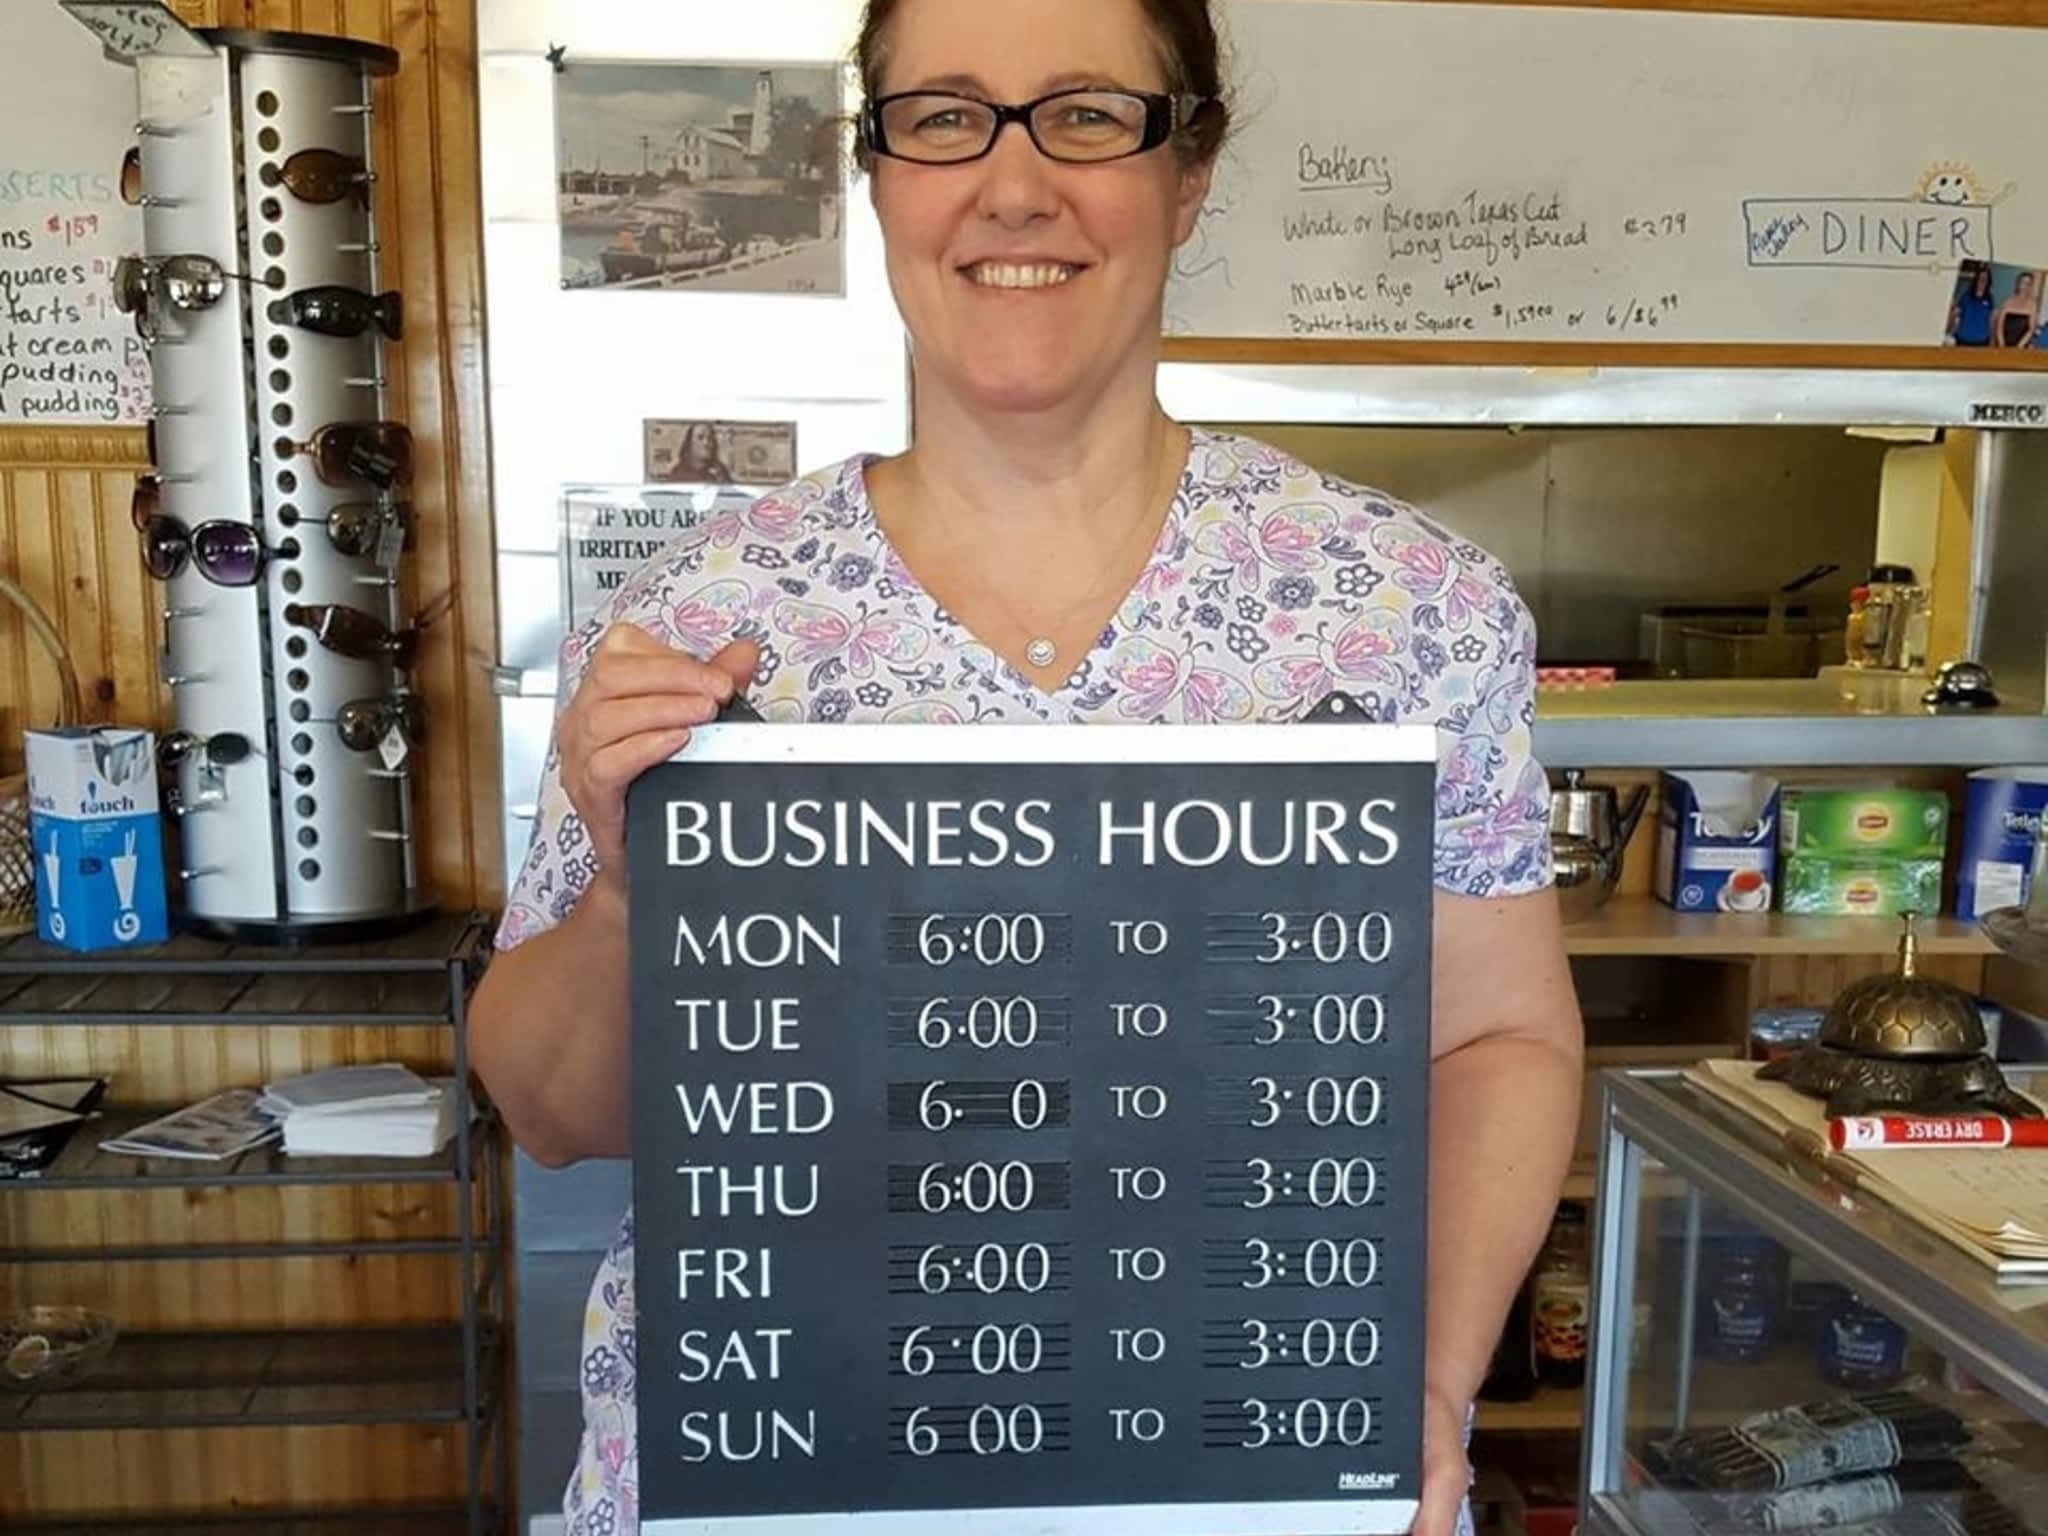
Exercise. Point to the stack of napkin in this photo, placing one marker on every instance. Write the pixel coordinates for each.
(383, 1110)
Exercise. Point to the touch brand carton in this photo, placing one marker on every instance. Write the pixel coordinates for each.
(98, 838)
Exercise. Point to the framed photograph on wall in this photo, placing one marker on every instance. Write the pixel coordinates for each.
(703, 178)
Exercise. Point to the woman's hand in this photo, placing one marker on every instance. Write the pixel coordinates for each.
(636, 706)
(1446, 1473)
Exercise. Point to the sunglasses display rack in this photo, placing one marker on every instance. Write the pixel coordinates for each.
(273, 518)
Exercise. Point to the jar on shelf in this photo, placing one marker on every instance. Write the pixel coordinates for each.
(1744, 1289)
(1559, 1296)
(1852, 634)
(1860, 1347)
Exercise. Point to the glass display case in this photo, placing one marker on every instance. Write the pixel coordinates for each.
(1776, 1350)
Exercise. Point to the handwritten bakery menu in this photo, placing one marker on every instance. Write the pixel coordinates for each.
(1029, 1127)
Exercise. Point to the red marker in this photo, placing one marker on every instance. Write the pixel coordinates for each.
(1866, 1133)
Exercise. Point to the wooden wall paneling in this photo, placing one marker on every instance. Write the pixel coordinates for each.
(82, 1473)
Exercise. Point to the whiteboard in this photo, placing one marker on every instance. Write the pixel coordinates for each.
(67, 356)
(1416, 172)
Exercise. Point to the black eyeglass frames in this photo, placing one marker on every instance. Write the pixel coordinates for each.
(1082, 127)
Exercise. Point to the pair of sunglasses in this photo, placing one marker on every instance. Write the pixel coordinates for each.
(355, 634)
(363, 723)
(189, 281)
(320, 176)
(377, 451)
(356, 528)
(226, 554)
(223, 749)
(334, 310)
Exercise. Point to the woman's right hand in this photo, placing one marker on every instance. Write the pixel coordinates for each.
(636, 706)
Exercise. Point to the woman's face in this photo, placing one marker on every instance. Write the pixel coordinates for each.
(2023, 286)
(1027, 284)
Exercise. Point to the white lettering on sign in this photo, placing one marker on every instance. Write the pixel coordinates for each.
(737, 1435)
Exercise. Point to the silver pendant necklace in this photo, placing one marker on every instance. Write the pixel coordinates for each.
(1040, 652)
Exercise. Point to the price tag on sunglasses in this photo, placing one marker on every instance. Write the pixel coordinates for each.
(393, 748)
(390, 542)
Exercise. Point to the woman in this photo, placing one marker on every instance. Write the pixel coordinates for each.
(2014, 322)
(1055, 549)
(1969, 318)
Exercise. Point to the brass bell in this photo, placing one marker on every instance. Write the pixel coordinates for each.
(1903, 1043)
(1905, 1013)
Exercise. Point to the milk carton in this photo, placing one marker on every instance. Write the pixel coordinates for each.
(1717, 844)
(98, 839)
(2001, 818)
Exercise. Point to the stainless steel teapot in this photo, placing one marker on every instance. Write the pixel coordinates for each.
(1589, 832)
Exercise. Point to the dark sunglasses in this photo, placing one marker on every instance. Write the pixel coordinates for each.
(353, 633)
(224, 748)
(226, 554)
(357, 527)
(377, 451)
(333, 310)
(320, 176)
(148, 497)
(363, 723)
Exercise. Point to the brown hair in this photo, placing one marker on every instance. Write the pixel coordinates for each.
(1186, 36)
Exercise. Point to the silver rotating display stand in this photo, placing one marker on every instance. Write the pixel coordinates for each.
(256, 152)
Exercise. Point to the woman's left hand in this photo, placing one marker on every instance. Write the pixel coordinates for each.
(1446, 1473)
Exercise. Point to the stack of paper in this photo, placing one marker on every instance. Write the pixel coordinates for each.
(223, 1126)
(383, 1110)
(1991, 1203)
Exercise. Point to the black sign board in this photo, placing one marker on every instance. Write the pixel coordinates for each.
(1029, 1128)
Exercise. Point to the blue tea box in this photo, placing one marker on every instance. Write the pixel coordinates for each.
(1717, 841)
(2002, 811)
(98, 838)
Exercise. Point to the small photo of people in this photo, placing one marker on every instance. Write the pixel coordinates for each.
(1998, 305)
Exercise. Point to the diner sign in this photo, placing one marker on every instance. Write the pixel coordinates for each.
(1029, 1128)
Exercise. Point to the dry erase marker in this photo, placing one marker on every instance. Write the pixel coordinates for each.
(1864, 1133)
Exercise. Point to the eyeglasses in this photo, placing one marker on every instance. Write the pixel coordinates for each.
(320, 176)
(353, 633)
(1077, 126)
(377, 451)
(357, 527)
(363, 723)
(226, 554)
(333, 310)
(223, 749)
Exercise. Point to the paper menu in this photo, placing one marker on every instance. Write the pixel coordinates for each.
(1992, 1204)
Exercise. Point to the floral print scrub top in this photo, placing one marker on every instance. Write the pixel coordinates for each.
(1271, 586)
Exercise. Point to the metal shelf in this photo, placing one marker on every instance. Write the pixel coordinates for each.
(293, 1001)
(445, 939)
(1788, 723)
(81, 1165)
(250, 1380)
(369, 1520)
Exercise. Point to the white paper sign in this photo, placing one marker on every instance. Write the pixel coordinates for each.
(608, 532)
